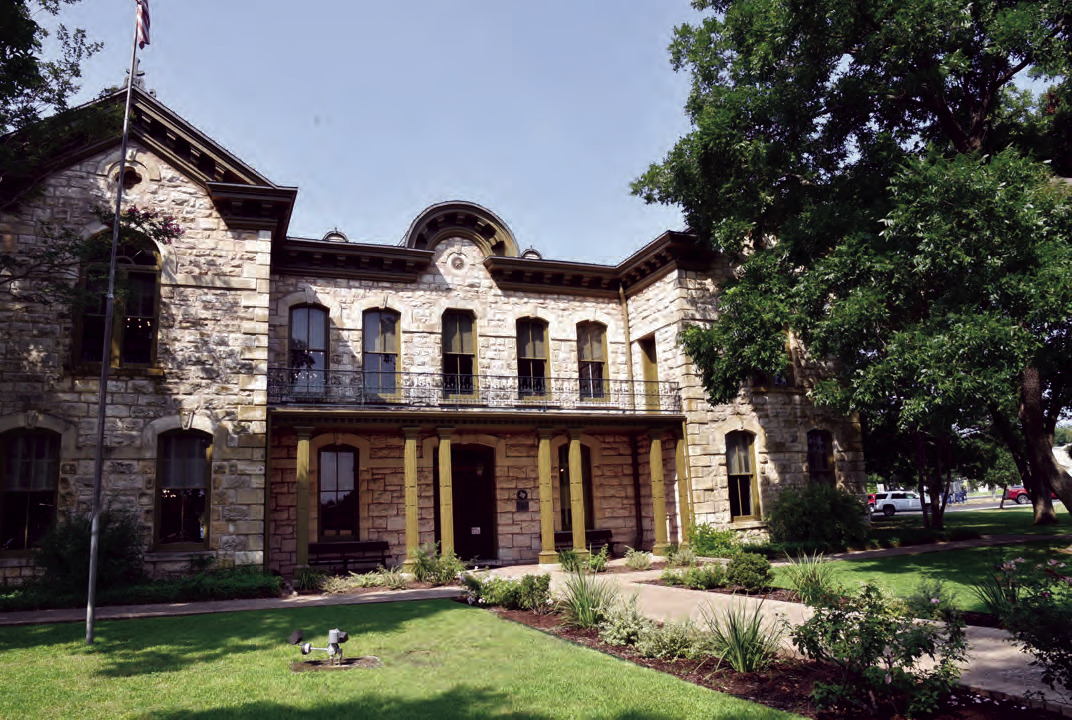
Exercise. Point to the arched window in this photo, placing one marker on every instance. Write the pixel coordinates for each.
(531, 357)
(182, 508)
(380, 329)
(459, 352)
(134, 329)
(592, 359)
(28, 487)
(308, 347)
(820, 457)
(337, 492)
(564, 493)
(741, 473)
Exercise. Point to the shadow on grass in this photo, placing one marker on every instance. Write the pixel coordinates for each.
(171, 644)
(463, 703)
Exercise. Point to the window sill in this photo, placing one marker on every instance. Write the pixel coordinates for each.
(748, 523)
(16, 558)
(179, 553)
(94, 369)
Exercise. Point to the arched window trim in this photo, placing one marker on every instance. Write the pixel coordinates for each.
(179, 507)
(136, 325)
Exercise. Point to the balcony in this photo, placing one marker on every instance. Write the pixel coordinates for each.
(357, 389)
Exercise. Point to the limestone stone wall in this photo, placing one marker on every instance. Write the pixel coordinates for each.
(423, 303)
(211, 356)
(779, 418)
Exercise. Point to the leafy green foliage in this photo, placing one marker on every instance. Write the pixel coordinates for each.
(569, 560)
(818, 513)
(637, 559)
(597, 561)
(681, 557)
(931, 599)
(434, 567)
(878, 647)
(586, 600)
(670, 641)
(623, 623)
(531, 592)
(741, 637)
(749, 571)
(63, 552)
(708, 541)
(1040, 620)
(811, 577)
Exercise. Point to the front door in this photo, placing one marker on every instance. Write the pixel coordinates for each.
(473, 481)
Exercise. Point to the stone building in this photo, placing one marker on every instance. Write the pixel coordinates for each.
(272, 396)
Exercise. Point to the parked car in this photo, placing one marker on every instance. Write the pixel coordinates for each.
(890, 502)
(1018, 494)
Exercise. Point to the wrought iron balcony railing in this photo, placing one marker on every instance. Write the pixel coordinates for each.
(297, 386)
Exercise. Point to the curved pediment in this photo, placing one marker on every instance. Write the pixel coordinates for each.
(461, 219)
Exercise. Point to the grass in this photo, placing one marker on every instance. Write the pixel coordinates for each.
(959, 569)
(440, 659)
(962, 524)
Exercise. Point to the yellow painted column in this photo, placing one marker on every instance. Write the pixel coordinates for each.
(576, 488)
(301, 526)
(409, 469)
(446, 496)
(547, 500)
(683, 499)
(658, 492)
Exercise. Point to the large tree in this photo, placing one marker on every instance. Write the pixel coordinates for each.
(888, 182)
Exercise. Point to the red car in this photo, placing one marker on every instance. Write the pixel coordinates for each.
(1018, 494)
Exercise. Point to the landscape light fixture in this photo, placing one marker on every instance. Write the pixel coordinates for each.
(336, 638)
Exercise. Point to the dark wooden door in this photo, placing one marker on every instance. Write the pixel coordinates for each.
(473, 481)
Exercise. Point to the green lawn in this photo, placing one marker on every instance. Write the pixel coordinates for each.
(440, 660)
(1011, 520)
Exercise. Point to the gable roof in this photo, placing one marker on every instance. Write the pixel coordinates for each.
(243, 196)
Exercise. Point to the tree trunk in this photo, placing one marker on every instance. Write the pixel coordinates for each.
(920, 446)
(1045, 472)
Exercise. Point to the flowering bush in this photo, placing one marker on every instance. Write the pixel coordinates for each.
(878, 646)
(1034, 602)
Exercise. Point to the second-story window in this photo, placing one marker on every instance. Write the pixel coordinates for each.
(308, 347)
(459, 353)
(591, 359)
(380, 359)
(531, 357)
(133, 339)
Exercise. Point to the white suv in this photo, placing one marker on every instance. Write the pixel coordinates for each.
(890, 502)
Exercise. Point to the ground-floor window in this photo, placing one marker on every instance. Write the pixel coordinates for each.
(338, 511)
(183, 498)
(740, 469)
(28, 487)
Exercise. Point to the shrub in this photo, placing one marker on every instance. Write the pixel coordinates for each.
(811, 577)
(637, 559)
(623, 623)
(709, 542)
(392, 578)
(931, 600)
(586, 600)
(672, 576)
(1040, 619)
(878, 647)
(741, 637)
(670, 641)
(999, 590)
(749, 571)
(569, 560)
(63, 552)
(704, 577)
(531, 592)
(597, 562)
(431, 566)
(820, 514)
(333, 584)
(310, 579)
(681, 557)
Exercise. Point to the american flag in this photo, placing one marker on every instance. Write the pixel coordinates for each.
(143, 23)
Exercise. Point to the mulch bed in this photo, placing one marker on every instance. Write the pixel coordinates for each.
(786, 685)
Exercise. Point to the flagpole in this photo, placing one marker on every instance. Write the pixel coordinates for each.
(106, 355)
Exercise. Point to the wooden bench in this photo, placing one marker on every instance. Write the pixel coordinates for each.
(593, 539)
(368, 554)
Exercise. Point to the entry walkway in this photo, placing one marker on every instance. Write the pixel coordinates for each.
(994, 666)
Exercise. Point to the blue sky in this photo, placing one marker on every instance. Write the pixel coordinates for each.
(543, 112)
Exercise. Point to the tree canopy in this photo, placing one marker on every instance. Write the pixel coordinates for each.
(887, 177)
